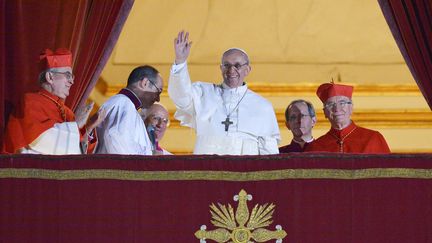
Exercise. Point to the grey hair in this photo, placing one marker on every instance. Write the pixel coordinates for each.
(42, 75)
(311, 109)
(230, 50)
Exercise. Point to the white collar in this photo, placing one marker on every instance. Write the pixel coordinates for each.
(238, 90)
(300, 142)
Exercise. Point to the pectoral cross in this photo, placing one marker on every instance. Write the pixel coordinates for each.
(227, 123)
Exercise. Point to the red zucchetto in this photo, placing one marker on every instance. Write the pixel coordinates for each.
(62, 57)
(329, 90)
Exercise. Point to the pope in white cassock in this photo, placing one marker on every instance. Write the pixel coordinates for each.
(228, 118)
(123, 131)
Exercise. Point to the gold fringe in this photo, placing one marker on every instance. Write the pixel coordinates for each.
(270, 175)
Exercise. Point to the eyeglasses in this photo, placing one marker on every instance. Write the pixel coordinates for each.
(237, 66)
(68, 75)
(158, 119)
(332, 105)
(159, 90)
(295, 117)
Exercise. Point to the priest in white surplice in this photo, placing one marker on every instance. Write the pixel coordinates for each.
(123, 131)
(228, 118)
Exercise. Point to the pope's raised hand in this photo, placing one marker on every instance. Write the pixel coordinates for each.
(182, 47)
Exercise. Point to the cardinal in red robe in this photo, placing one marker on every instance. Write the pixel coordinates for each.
(43, 124)
(344, 136)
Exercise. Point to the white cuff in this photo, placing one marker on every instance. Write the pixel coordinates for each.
(177, 67)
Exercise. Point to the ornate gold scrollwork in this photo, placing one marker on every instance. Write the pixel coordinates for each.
(243, 227)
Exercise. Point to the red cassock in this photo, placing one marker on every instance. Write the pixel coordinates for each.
(352, 139)
(37, 113)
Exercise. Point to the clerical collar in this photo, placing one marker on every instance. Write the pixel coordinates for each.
(132, 96)
(342, 133)
(54, 97)
(301, 142)
(239, 89)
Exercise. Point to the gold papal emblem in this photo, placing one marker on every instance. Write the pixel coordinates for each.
(244, 227)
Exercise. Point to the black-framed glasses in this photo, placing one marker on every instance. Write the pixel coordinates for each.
(159, 90)
(237, 66)
(68, 75)
(342, 104)
(296, 117)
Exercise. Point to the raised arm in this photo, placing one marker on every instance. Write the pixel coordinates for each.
(180, 85)
(182, 47)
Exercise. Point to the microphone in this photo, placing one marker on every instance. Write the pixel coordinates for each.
(152, 136)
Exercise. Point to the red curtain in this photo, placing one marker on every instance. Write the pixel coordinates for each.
(411, 26)
(101, 27)
(89, 28)
(2, 67)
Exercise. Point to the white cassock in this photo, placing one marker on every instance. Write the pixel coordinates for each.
(62, 138)
(123, 130)
(204, 106)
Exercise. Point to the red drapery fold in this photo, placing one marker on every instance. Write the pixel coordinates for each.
(411, 26)
(99, 32)
(89, 28)
(2, 67)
